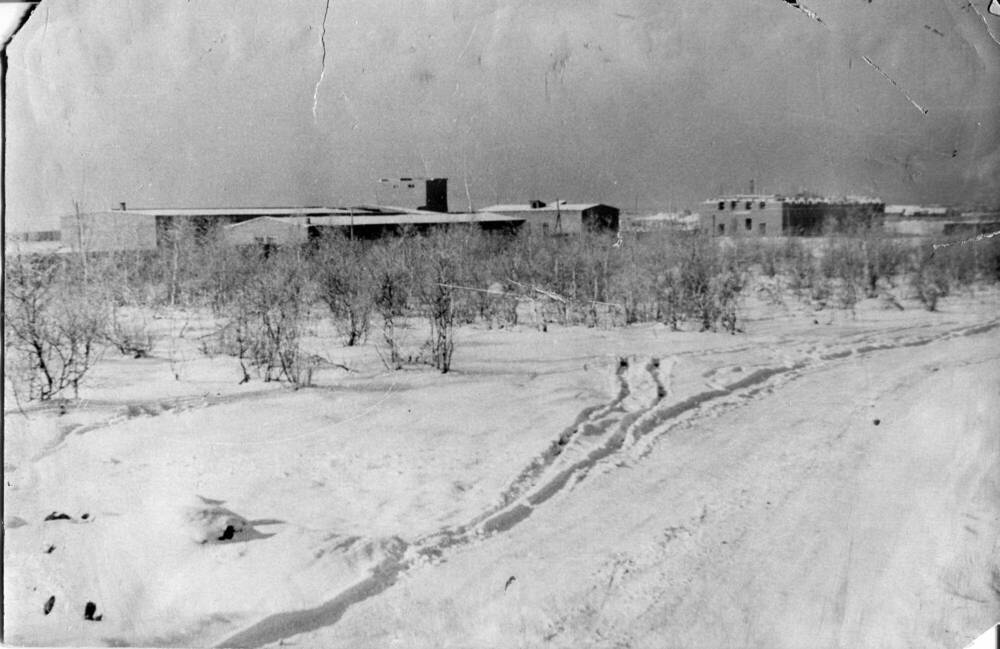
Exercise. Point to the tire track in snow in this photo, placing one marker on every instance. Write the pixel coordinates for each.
(283, 625)
(614, 426)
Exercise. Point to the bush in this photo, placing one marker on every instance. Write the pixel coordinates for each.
(54, 319)
(800, 265)
(443, 268)
(268, 314)
(129, 334)
(710, 284)
(929, 279)
(883, 259)
(125, 279)
(861, 262)
(391, 285)
(345, 284)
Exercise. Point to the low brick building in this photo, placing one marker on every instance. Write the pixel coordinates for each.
(775, 215)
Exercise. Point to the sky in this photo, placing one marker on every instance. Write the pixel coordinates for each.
(655, 103)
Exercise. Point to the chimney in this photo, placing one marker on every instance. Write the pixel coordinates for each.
(121, 206)
(751, 186)
(436, 199)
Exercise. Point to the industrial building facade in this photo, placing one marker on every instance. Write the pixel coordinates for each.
(148, 229)
(108, 231)
(774, 215)
(126, 228)
(935, 220)
(561, 217)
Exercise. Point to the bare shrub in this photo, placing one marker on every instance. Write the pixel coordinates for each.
(799, 265)
(726, 289)
(175, 355)
(929, 279)
(964, 262)
(441, 271)
(490, 298)
(267, 317)
(344, 282)
(124, 278)
(843, 259)
(391, 282)
(671, 299)
(884, 259)
(769, 257)
(710, 284)
(860, 262)
(129, 333)
(988, 258)
(54, 320)
(844, 268)
(179, 259)
(633, 281)
(501, 305)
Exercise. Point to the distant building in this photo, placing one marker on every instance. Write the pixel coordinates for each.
(560, 217)
(39, 242)
(662, 221)
(127, 228)
(147, 229)
(297, 229)
(929, 221)
(34, 236)
(266, 230)
(108, 231)
(969, 224)
(903, 211)
(775, 215)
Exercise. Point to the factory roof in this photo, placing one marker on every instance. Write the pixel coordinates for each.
(359, 210)
(797, 200)
(412, 217)
(544, 207)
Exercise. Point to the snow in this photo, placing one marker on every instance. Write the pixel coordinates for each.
(642, 487)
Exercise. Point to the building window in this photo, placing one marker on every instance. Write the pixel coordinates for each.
(749, 204)
(749, 225)
(761, 205)
(722, 228)
(732, 205)
(762, 228)
(722, 205)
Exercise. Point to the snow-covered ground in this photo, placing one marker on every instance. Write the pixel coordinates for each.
(821, 479)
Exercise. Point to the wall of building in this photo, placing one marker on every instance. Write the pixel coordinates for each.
(550, 221)
(34, 236)
(970, 228)
(814, 218)
(759, 215)
(601, 217)
(264, 231)
(106, 231)
(740, 217)
(372, 231)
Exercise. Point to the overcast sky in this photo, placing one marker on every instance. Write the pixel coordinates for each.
(229, 103)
